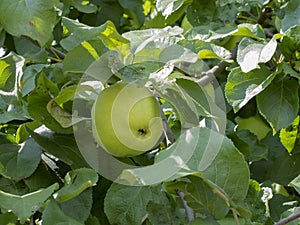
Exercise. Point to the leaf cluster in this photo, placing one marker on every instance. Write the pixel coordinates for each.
(226, 74)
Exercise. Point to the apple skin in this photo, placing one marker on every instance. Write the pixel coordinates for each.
(126, 120)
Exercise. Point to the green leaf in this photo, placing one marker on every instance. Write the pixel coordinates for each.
(29, 77)
(182, 102)
(206, 33)
(81, 206)
(288, 136)
(291, 42)
(13, 187)
(167, 7)
(164, 213)
(89, 51)
(205, 105)
(53, 214)
(250, 53)
(64, 147)
(255, 124)
(296, 184)
(230, 172)
(37, 180)
(242, 87)
(85, 6)
(134, 9)
(60, 115)
(8, 218)
(291, 15)
(279, 167)
(147, 39)
(38, 100)
(139, 71)
(10, 69)
(76, 181)
(250, 146)
(11, 106)
(26, 205)
(20, 161)
(279, 103)
(79, 32)
(30, 51)
(35, 19)
(128, 204)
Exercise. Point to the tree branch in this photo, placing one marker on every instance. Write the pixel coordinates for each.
(188, 211)
(209, 75)
(290, 218)
(267, 12)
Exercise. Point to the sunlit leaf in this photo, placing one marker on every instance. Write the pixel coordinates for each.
(288, 136)
(76, 181)
(251, 53)
(242, 87)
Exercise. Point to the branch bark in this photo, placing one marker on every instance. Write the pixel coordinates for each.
(290, 218)
(188, 211)
(209, 76)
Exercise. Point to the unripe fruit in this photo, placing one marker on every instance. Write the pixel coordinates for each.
(126, 120)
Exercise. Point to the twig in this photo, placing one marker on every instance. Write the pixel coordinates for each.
(188, 211)
(209, 76)
(56, 52)
(267, 12)
(290, 218)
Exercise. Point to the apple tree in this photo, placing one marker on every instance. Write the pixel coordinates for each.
(199, 123)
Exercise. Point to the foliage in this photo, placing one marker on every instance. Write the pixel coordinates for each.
(197, 51)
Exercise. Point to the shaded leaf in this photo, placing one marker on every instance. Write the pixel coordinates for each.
(85, 6)
(279, 103)
(248, 144)
(20, 161)
(53, 214)
(296, 184)
(35, 19)
(29, 77)
(26, 205)
(290, 43)
(279, 167)
(291, 15)
(128, 204)
(38, 100)
(134, 9)
(81, 205)
(64, 147)
(8, 218)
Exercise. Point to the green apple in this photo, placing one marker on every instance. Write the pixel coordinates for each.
(126, 120)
